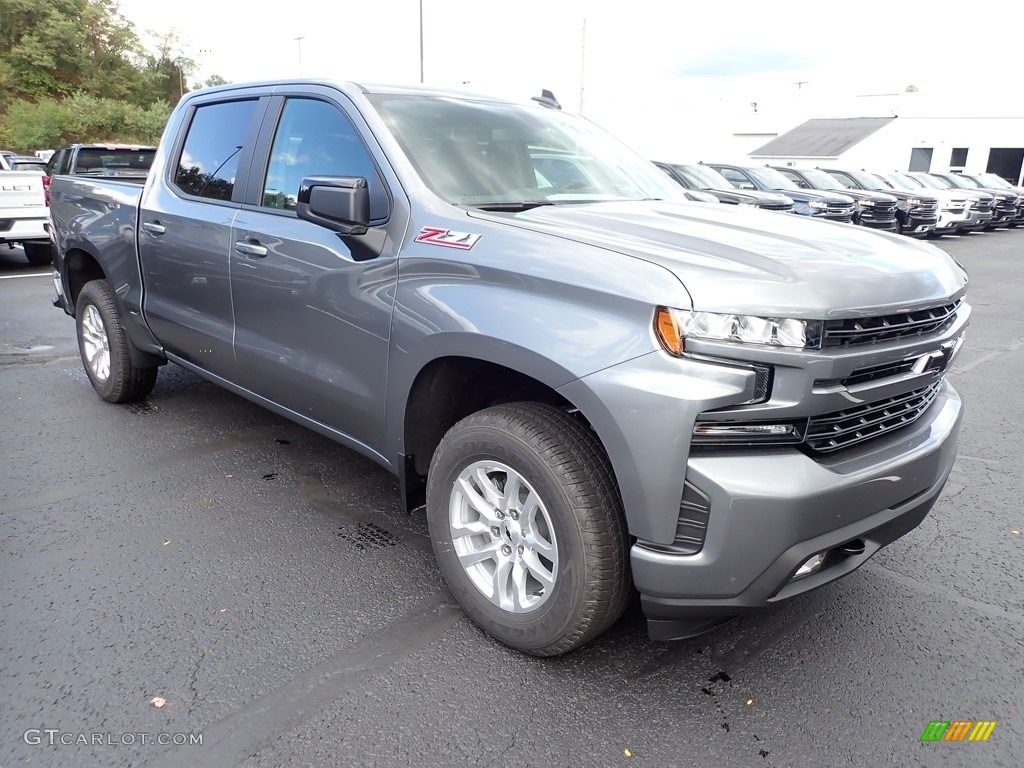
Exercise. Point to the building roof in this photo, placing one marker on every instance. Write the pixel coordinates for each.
(822, 137)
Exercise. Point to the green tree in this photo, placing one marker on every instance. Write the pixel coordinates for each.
(76, 70)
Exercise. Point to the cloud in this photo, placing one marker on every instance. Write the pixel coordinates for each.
(743, 62)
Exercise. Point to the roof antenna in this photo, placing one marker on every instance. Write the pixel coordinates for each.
(547, 99)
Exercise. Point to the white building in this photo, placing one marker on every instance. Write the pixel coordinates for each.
(916, 136)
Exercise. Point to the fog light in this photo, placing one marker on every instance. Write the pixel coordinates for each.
(810, 565)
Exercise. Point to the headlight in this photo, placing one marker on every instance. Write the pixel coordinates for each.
(917, 201)
(865, 203)
(673, 326)
(748, 205)
(816, 204)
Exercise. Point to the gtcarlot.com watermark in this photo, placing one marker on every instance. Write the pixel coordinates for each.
(52, 737)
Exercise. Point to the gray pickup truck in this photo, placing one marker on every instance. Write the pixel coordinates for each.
(595, 387)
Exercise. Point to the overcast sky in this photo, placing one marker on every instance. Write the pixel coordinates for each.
(650, 69)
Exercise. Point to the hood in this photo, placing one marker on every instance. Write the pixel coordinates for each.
(757, 262)
(806, 195)
(734, 195)
(867, 194)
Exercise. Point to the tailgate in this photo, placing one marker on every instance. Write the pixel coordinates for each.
(21, 195)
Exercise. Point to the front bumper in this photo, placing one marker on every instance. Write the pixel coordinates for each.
(919, 226)
(772, 510)
(951, 221)
(977, 220)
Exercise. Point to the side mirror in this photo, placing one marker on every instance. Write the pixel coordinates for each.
(339, 203)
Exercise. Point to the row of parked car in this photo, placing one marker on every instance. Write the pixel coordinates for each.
(917, 204)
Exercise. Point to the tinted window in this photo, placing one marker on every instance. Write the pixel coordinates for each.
(209, 159)
(121, 160)
(315, 138)
(737, 179)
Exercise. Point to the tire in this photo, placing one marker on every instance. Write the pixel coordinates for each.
(577, 538)
(100, 331)
(38, 254)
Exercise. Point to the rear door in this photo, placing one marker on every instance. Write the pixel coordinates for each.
(185, 231)
(312, 309)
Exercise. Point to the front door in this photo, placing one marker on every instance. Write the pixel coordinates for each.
(312, 309)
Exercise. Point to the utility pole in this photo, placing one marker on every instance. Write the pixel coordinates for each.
(299, 41)
(583, 60)
(799, 85)
(421, 42)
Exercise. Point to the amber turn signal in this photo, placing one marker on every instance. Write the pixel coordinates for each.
(668, 331)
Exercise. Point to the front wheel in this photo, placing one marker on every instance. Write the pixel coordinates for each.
(528, 529)
(104, 346)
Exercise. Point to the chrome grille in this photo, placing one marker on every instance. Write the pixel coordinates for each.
(872, 330)
(777, 206)
(851, 426)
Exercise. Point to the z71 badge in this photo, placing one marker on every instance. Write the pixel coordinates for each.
(447, 237)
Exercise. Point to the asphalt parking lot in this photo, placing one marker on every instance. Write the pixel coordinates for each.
(265, 584)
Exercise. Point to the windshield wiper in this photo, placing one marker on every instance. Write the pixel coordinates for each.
(519, 205)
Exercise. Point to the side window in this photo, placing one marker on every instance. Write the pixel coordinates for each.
(794, 178)
(843, 179)
(55, 166)
(315, 138)
(209, 158)
(737, 179)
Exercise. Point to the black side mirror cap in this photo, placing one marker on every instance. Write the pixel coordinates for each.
(339, 203)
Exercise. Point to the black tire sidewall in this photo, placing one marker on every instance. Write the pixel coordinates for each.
(549, 622)
(93, 294)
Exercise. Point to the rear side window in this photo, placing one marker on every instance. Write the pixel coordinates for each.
(209, 158)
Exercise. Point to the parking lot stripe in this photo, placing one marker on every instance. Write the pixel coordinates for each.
(31, 274)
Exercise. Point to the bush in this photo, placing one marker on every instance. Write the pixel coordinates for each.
(49, 123)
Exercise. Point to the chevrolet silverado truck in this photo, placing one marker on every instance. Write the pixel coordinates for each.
(953, 212)
(980, 205)
(700, 178)
(997, 182)
(24, 213)
(808, 202)
(590, 390)
(1006, 200)
(871, 209)
(916, 214)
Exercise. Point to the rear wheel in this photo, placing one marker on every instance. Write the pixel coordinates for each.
(104, 347)
(527, 526)
(38, 254)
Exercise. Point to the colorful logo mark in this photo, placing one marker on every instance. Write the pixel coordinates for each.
(958, 730)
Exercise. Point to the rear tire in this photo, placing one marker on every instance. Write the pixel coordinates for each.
(527, 526)
(104, 347)
(38, 254)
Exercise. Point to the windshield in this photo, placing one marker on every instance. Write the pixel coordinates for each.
(992, 180)
(116, 160)
(491, 153)
(930, 181)
(869, 181)
(771, 178)
(703, 177)
(822, 180)
(960, 182)
(895, 181)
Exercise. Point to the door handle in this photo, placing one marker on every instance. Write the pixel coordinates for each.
(154, 228)
(250, 249)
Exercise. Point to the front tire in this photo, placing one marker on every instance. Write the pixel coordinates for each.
(527, 526)
(104, 347)
(38, 254)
